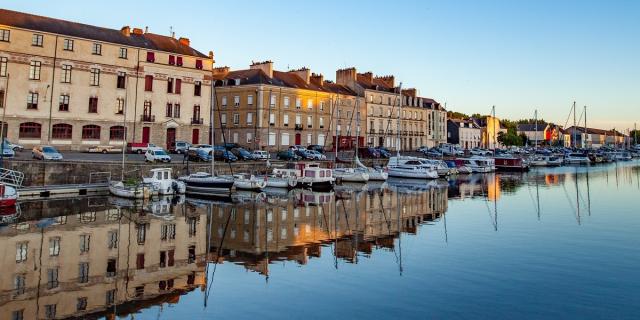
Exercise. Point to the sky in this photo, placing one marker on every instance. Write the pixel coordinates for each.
(520, 56)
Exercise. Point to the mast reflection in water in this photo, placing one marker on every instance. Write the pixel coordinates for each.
(376, 250)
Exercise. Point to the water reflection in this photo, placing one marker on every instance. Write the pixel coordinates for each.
(105, 256)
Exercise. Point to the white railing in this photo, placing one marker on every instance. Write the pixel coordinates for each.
(11, 177)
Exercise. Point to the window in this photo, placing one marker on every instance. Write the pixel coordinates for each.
(249, 137)
(224, 101)
(236, 101)
(112, 236)
(321, 122)
(4, 35)
(273, 100)
(141, 233)
(168, 231)
(309, 138)
(170, 85)
(117, 133)
(285, 120)
(94, 77)
(172, 59)
(272, 138)
(34, 70)
(178, 86)
(272, 119)
(223, 118)
(50, 311)
(93, 105)
(198, 64)
(169, 110)
(286, 102)
(236, 119)
(64, 103)
(19, 283)
(284, 140)
(1, 99)
(3, 66)
(66, 73)
(82, 304)
(121, 80)
(36, 40)
(197, 88)
(179, 61)
(96, 49)
(21, 251)
(250, 100)
(30, 130)
(309, 122)
(122, 53)
(298, 119)
(298, 103)
(249, 117)
(119, 106)
(67, 45)
(309, 103)
(111, 268)
(52, 278)
(176, 110)
(148, 83)
(192, 222)
(61, 131)
(140, 261)
(84, 243)
(151, 57)
(321, 105)
(83, 272)
(110, 297)
(17, 315)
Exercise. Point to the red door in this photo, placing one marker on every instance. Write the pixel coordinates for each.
(171, 137)
(298, 138)
(195, 136)
(146, 132)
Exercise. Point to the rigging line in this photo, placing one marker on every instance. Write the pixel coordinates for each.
(533, 202)
(215, 264)
(570, 202)
(224, 140)
(333, 110)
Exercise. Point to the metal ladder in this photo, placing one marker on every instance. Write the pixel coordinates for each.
(11, 177)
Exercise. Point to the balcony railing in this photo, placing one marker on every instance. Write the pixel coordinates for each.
(148, 118)
(197, 121)
(298, 127)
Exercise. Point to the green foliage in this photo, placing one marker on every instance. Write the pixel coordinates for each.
(541, 122)
(511, 138)
(130, 182)
(457, 115)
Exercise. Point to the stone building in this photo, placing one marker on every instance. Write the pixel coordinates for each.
(464, 132)
(262, 108)
(74, 85)
(85, 258)
(422, 120)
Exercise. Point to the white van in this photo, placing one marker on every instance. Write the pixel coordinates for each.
(260, 155)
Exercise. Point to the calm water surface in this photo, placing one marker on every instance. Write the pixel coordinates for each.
(551, 243)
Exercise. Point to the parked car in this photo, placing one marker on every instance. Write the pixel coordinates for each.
(198, 154)
(13, 146)
(432, 153)
(180, 147)
(423, 149)
(288, 155)
(384, 152)
(242, 154)
(315, 155)
(46, 153)
(104, 149)
(7, 151)
(140, 148)
(156, 155)
(368, 152)
(224, 155)
(316, 147)
(260, 155)
(297, 147)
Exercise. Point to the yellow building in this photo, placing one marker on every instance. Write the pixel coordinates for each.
(74, 85)
(262, 108)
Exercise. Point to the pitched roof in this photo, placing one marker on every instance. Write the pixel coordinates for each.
(280, 78)
(73, 29)
(531, 127)
(597, 131)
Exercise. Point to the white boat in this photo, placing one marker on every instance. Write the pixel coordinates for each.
(375, 174)
(309, 175)
(163, 182)
(479, 164)
(351, 175)
(279, 180)
(577, 158)
(135, 191)
(8, 196)
(204, 184)
(248, 182)
(622, 156)
(545, 161)
(412, 168)
(464, 170)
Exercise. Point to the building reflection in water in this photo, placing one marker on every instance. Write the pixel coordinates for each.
(97, 259)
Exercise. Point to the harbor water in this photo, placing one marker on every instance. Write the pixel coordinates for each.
(550, 243)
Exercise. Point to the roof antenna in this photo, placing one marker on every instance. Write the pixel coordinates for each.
(171, 33)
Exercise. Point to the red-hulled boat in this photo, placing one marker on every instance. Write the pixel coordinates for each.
(511, 164)
(8, 196)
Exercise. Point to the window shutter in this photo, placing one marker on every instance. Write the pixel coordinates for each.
(198, 64)
(151, 57)
(179, 61)
(172, 59)
(178, 86)
(148, 83)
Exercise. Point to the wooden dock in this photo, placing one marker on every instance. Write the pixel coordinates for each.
(65, 190)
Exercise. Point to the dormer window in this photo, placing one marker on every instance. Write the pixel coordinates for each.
(172, 59)
(179, 61)
(198, 64)
(151, 57)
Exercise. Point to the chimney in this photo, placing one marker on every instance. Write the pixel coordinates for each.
(266, 66)
(411, 92)
(317, 79)
(368, 76)
(388, 81)
(126, 31)
(346, 77)
(137, 31)
(184, 41)
(146, 29)
(211, 56)
(303, 73)
(221, 71)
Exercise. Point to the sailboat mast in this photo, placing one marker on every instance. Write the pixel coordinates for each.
(586, 134)
(536, 134)
(357, 127)
(337, 143)
(493, 113)
(212, 105)
(574, 124)
(124, 125)
(398, 143)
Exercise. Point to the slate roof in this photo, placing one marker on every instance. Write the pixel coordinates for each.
(79, 30)
(531, 127)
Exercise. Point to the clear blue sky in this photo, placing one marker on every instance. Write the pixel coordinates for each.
(516, 55)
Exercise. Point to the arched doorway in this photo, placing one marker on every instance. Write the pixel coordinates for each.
(171, 137)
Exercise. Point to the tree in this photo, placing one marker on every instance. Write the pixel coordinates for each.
(457, 115)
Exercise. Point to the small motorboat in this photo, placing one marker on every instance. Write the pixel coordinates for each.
(478, 164)
(248, 182)
(577, 158)
(280, 179)
(375, 173)
(309, 175)
(8, 196)
(351, 175)
(206, 185)
(411, 168)
(163, 182)
(130, 191)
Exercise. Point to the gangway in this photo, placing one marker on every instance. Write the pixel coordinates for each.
(11, 177)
